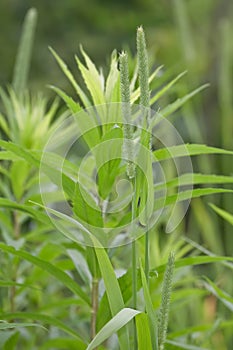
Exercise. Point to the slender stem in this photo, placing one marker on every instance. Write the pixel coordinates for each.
(134, 273)
(134, 254)
(16, 233)
(147, 267)
(134, 291)
(134, 267)
(94, 303)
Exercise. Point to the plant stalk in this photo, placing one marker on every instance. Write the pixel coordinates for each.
(16, 233)
(94, 303)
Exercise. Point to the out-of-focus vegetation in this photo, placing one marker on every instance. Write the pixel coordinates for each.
(99, 25)
(193, 35)
(102, 25)
(190, 35)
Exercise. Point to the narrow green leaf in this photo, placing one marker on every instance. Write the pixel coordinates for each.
(70, 77)
(200, 328)
(178, 346)
(69, 227)
(144, 197)
(11, 342)
(4, 126)
(23, 59)
(116, 323)
(162, 91)
(112, 89)
(7, 155)
(87, 211)
(224, 297)
(113, 291)
(71, 104)
(46, 319)
(19, 173)
(92, 79)
(6, 203)
(12, 283)
(34, 159)
(191, 261)
(125, 283)
(51, 269)
(143, 332)
(150, 311)
(88, 125)
(184, 195)
(194, 179)
(108, 156)
(6, 325)
(20, 152)
(223, 213)
(187, 150)
(171, 108)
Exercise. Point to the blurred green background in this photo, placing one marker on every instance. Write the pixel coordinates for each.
(192, 35)
(102, 25)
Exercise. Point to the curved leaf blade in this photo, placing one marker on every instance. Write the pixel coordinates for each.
(116, 323)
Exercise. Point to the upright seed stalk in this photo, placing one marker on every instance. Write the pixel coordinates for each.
(126, 111)
(129, 154)
(143, 69)
(165, 303)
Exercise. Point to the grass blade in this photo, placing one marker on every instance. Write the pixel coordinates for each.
(184, 195)
(51, 269)
(178, 346)
(191, 261)
(22, 64)
(223, 213)
(113, 291)
(70, 77)
(116, 323)
(6, 325)
(92, 79)
(71, 104)
(224, 297)
(166, 87)
(194, 179)
(171, 108)
(150, 311)
(46, 319)
(143, 332)
(188, 150)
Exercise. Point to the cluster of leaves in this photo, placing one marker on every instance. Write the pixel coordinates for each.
(73, 290)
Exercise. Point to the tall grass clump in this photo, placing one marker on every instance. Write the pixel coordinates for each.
(83, 264)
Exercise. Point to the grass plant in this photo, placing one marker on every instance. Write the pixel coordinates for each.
(71, 280)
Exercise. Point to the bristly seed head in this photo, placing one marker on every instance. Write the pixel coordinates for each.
(126, 111)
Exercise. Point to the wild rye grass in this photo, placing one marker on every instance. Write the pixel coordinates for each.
(90, 299)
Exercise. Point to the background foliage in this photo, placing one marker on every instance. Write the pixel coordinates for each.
(182, 35)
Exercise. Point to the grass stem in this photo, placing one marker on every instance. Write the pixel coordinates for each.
(94, 303)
